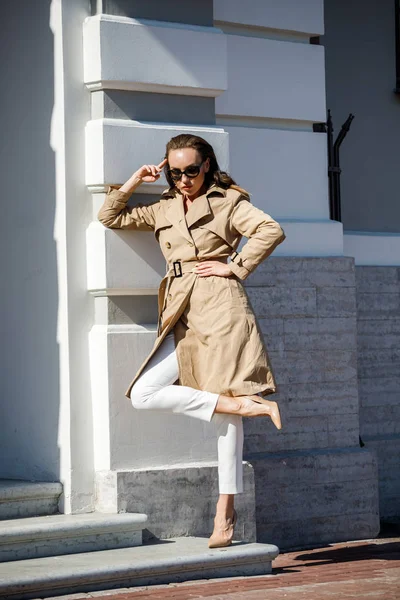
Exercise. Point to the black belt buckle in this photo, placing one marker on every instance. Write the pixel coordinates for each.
(176, 264)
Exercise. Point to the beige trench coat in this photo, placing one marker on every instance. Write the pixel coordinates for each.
(219, 344)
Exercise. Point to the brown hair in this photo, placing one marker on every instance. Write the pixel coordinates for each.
(214, 174)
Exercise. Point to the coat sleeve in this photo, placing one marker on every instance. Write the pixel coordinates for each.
(115, 214)
(263, 233)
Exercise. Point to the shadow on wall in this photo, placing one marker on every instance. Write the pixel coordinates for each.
(29, 379)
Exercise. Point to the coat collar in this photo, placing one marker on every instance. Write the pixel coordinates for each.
(213, 189)
(200, 208)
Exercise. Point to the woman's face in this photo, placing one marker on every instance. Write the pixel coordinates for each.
(190, 160)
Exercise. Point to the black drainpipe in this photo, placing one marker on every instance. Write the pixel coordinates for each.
(334, 169)
(397, 34)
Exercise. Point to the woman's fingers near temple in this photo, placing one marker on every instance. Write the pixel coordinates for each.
(162, 164)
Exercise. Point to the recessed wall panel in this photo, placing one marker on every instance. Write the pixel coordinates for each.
(285, 171)
(275, 79)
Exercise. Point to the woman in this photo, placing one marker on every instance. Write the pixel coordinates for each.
(208, 337)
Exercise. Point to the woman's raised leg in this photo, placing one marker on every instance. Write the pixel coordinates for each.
(154, 390)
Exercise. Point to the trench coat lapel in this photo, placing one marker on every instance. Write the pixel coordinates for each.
(199, 208)
(176, 215)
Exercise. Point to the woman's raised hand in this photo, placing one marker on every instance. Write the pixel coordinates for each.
(150, 173)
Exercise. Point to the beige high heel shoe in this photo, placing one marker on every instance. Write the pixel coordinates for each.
(222, 535)
(274, 409)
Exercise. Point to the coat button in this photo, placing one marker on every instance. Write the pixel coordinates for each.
(168, 245)
(190, 243)
(169, 296)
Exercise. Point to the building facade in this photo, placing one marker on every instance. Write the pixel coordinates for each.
(109, 82)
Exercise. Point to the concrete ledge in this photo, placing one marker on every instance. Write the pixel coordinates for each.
(170, 561)
(144, 55)
(114, 145)
(108, 253)
(373, 248)
(68, 534)
(28, 499)
(387, 449)
(179, 500)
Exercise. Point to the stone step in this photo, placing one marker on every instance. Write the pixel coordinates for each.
(28, 499)
(57, 535)
(166, 561)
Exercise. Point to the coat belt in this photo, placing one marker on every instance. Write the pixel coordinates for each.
(179, 267)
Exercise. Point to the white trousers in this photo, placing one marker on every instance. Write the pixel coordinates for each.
(154, 390)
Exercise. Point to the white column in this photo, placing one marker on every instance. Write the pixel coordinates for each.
(168, 59)
(71, 112)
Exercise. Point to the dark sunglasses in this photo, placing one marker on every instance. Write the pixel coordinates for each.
(191, 171)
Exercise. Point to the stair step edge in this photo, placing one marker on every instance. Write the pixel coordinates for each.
(16, 491)
(44, 573)
(53, 526)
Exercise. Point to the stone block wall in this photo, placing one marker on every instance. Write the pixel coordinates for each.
(307, 312)
(313, 482)
(378, 328)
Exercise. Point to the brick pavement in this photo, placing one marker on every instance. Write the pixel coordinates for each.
(368, 569)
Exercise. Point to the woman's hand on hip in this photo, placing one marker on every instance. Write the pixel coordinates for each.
(212, 267)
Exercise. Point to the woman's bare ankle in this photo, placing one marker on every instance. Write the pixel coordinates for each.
(228, 405)
(243, 406)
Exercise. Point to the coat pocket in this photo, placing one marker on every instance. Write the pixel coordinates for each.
(162, 224)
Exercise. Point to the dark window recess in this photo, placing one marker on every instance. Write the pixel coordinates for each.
(315, 40)
(397, 34)
(334, 169)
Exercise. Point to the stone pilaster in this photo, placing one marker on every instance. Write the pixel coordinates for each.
(378, 329)
(313, 482)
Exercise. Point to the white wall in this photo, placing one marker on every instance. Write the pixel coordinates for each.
(30, 369)
(289, 15)
(45, 425)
